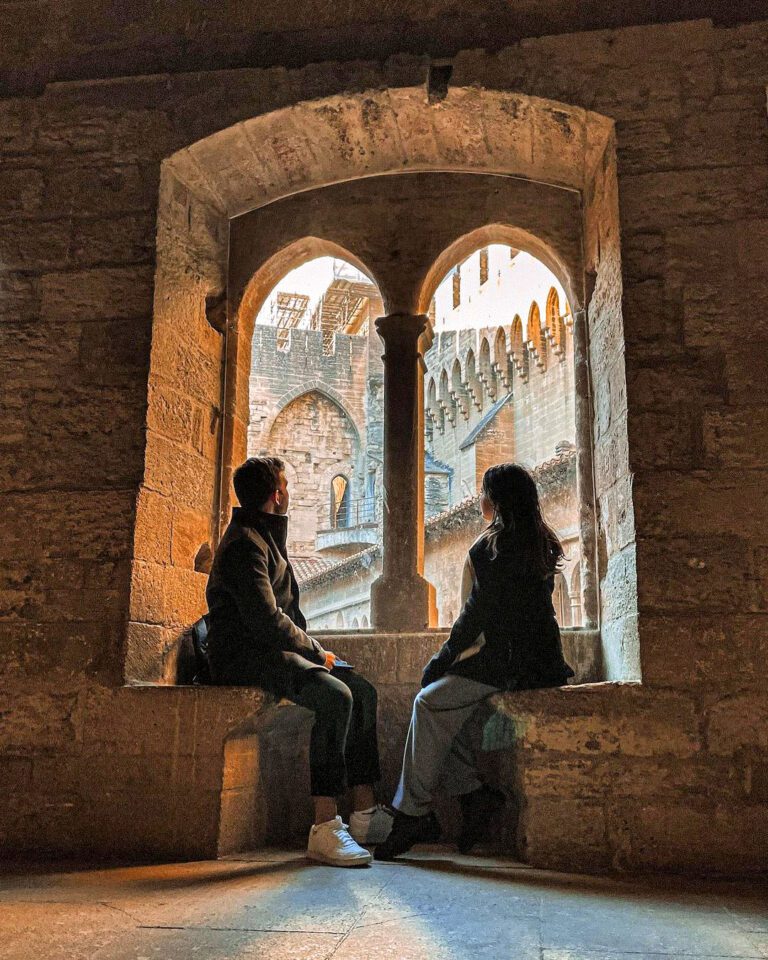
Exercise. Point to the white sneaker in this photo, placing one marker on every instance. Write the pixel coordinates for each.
(371, 827)
(331, 843)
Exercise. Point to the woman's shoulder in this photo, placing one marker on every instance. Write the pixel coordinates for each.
(480, 549)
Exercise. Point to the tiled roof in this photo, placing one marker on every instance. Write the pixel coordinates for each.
(469, 508)
(433, 465)
(340, 568)
(306, 567)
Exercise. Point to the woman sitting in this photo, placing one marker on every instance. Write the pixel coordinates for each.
(505, 638)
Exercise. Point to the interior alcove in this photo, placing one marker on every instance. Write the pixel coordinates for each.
(563, 200)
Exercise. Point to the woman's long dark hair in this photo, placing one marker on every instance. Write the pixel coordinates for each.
(517, 517)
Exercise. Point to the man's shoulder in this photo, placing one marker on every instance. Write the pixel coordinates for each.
(241, 539)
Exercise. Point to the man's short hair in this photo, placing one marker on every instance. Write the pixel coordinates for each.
(256, 480)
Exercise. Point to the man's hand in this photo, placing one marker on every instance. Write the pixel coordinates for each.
(330, 659)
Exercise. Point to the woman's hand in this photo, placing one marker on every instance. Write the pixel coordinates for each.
(330, 659)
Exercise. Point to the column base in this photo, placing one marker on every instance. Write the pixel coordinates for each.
(403, 605)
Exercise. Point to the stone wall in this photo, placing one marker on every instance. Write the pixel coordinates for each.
(541, 413)
(667, 775)
(308, 406)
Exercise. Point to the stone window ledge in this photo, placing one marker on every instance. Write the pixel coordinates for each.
(399, 658)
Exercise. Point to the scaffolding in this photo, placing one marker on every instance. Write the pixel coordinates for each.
(343, 308)
(288, 311)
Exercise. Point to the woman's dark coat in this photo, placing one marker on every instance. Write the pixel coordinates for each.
(509, 607)
(257, 633)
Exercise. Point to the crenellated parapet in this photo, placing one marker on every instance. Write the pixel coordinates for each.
(310, 347)
(469, 370)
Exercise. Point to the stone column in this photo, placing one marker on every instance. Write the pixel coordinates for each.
(585, 481)
(401, 599)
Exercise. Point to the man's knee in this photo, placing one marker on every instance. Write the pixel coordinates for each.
(335, 698)
(364, 692)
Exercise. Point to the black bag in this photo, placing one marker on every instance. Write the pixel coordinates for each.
(192, 665)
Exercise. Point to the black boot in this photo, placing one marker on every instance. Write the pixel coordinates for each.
(477, 808)
(406, 831)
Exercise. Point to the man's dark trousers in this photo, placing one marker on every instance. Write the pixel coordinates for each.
(343, 750)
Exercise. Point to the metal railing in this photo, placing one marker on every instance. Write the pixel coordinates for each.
(352, 513)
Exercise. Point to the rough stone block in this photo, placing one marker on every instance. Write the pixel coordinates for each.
(122, 239)
(373, 656)
(413, 653)
(44, 246)
(665, 440)
(737, 722)
(179, 473)
(696, 573)
(19, 297)
(114, 352)
(99, 190)
(564, 834)
(154, 514)
(146, 650)
(694, 836)
(652, 723)
(38, 722)
(683, 197)
(166, 595)
(663, 502)
(727, 652)
(189, 531)
(735, 438)
(108, 293)
(21, 192)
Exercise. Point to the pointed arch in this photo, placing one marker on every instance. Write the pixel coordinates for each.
(516, 337)
(534, 335)
(554, 323)
(312, 386)
(495, 233)
(288, 258)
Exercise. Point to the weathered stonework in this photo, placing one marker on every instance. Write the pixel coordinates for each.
(676, 277)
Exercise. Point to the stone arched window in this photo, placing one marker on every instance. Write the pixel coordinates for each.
(554, 324)
(316, 439)
(518, 350)
(535, 336)
(483, 266)
(485, 370)
(231, 218)
(340, 501)
(501, 358)
(458, 389)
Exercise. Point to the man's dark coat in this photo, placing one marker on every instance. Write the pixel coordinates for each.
(511, 607)
(257, 631)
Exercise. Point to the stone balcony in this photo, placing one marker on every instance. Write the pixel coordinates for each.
(353, 527)
(343, 540)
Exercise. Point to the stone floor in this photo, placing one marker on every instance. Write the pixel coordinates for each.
(436, 905)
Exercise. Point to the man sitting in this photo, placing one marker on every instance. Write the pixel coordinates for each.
(257, 638)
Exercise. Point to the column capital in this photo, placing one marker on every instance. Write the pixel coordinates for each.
(403, 329)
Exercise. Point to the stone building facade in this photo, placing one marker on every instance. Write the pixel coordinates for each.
(627, 144)
(495, 390)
